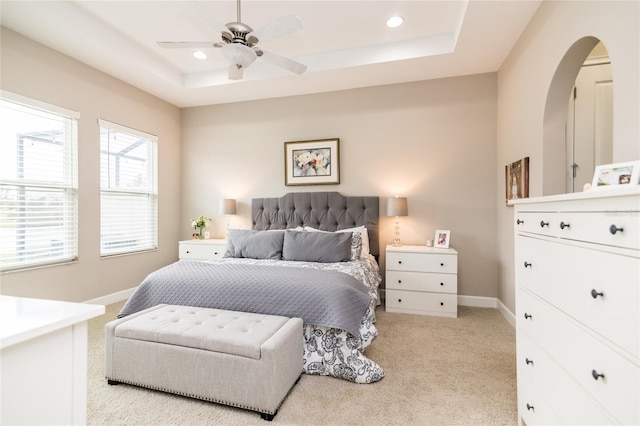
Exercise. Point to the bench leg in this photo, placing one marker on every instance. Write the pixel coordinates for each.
(268, 417)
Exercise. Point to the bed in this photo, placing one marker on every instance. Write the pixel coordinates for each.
(311, 255)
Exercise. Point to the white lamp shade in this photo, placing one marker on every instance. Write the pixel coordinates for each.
(397, 206)
(228, 206)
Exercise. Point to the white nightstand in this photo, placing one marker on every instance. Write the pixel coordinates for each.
(202, 249)
(422, 280)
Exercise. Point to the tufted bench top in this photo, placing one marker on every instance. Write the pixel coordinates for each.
(235, 333)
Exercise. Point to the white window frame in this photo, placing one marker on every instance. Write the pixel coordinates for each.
(66, 249)
(127, 241)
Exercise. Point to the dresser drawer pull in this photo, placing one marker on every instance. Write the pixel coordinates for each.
(215, 253)
(543, 224)
(527, 264)
(596, 375)
(527, 316)
(529, 407)
(519, 221)
(399, 281)
(399, 262)
(399, 300)
(188, 252)
(441, 303)
(442, 264)
(528, 361)
(441, 283)
(613, 229)
(595, 294)
(564, 225)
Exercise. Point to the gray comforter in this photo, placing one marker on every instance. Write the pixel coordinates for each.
(320, 297)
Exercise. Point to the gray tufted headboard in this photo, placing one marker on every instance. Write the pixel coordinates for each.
(328, 211)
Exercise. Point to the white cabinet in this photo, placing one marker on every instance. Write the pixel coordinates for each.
(422, 280)
(577, 270)
(202, 249)
(43, 354)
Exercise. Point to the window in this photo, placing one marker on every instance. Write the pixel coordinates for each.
(128, 190)
(38, 183)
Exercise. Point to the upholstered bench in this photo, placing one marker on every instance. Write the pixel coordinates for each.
(241, 359)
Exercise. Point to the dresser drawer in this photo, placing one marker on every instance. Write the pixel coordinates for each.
(543, 223)
(419, 262)
(582, 356)
(422, 281)
(570, 276)
(201, 250)
(417, 302)
(532, 406)
(620, 229)
(574, 405)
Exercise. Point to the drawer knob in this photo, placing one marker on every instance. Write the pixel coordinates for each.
(596, 375)
(399, 281)
(399, 262)
(527, 264)
(527, 316)
(441, 283)
(595, 294)
(441, 303)
(399, 300)
(543, 224)
(529, 407)
(519, 221)
(613, 229)
(564, 225)
(528, 361)
(215, 253)
(188, 252)
(442, 264)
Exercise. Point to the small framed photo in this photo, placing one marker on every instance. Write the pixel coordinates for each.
(615, 175)
(312, 162)
(441, 238)
(517, 180)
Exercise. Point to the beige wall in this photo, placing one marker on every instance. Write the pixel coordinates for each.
(523, 87)
(33, 70)
(432, 141)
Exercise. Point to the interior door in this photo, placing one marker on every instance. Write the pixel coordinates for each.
(589, 123)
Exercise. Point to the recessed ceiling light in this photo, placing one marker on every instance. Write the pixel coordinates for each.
(395, 21)
(198, 54)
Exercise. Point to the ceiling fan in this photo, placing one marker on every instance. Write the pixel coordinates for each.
(239, 43)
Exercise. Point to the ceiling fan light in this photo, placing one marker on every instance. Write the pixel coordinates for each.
(239, 54)
(395, 21)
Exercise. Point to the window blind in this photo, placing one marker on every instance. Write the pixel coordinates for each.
(128, 190)
(38, 183)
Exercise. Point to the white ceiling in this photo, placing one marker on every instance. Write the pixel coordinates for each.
(345, 44)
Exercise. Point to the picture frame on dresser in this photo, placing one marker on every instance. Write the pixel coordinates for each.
(615, 175)
(441, 238)
(516, 180)
(314, 162)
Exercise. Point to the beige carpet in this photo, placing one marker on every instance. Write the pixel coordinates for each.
(438, 371)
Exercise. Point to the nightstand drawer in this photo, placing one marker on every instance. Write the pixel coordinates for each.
(419, 262)
(417, 302)
(422, 281)
(201, 250)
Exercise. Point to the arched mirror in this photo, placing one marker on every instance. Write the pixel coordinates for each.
(568, 138)
(589, 129)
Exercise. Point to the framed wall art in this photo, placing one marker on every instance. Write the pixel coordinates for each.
(315, 162)
(613, 175)
(441, 238)
(517, 179)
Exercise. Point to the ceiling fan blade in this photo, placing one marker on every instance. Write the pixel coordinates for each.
(184, 44)
(282, 62)
(208, 15)
(278, 28)
(235, 72)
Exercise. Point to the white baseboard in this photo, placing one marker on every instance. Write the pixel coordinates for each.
(111, 298)
(507, 314)
(477, 301)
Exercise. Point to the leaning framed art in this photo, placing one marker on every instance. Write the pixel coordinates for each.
(315, 162)
(516, 177)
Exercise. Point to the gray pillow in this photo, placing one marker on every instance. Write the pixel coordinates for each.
(254, 244)
(317, 246)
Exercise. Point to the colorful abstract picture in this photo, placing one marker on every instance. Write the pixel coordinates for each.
(312, 162)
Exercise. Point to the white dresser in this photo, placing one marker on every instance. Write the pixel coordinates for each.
(202, 249)
(422, 280)
(577, 272)
(43, 355)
